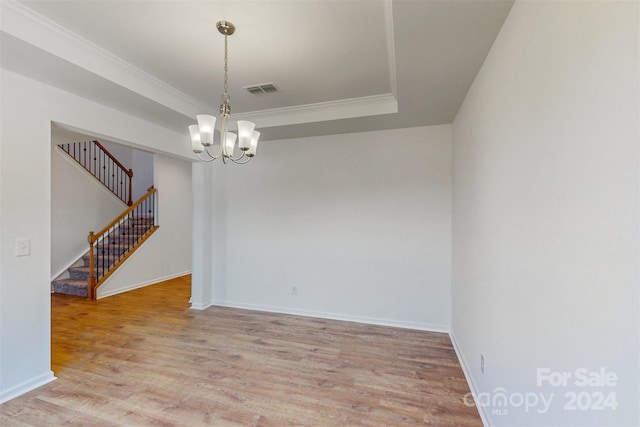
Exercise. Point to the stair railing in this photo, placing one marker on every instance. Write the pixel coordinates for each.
(100, 163)
(112, 245)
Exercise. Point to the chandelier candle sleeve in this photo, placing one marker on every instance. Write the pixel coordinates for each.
(230, 143)
(254, 144)
(245, 133)
(202, 134)
(196, 145)
(206, 125)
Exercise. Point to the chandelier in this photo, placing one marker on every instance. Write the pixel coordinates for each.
(202, 133)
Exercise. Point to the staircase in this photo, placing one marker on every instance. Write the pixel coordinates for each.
(112, 245)
(113, 249)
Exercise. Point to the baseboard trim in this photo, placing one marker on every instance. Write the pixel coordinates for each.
(27, 386)
(142, 284)
(203, 306)
(430, 327)
(486, 421)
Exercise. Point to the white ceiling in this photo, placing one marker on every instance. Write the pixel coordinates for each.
(340, 66)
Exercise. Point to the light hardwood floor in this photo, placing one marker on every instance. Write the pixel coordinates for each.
(145, 359)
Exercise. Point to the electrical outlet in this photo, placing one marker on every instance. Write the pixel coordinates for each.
(482, 363)
(294, 290)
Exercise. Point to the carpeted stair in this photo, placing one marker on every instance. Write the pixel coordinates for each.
(115, 245)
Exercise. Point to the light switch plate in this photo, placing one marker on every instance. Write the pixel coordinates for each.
(23, 247)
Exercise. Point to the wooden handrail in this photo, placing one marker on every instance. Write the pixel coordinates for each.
(95, 236)
(99, 162)
(129, 172)
(96, 279)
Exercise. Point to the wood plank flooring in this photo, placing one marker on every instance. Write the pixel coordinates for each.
(145, 359)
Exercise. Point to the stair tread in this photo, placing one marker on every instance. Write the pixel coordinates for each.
(71, 282)
(120, 241)
(71, 287)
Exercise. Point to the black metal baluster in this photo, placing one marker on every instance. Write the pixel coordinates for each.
(115, 183)
(94, 156)
(100, 256)
(135, 214)
(121, 182)
(97, 155)
(111, 175)
(105, 168)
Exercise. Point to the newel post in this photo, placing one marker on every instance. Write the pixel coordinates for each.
(130, 173)
(91, 289)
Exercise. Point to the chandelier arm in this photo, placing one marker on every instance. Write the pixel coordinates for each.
(212, 156)
(210, 159)
(240, 157)
(238, 162)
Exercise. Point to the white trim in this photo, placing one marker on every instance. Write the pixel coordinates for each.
(31, 27)
(391, 49)
(322, 111)
(141, 284)
(204, 306)
(25, 24)
(431, 327)
(484, 416)
(100, 295)
(27, 386)
(71, 264)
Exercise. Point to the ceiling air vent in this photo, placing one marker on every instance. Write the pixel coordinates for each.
(262, 88)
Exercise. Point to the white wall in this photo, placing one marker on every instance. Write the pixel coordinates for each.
(142, 165)
(28, 108)
(141, 162)
(79, 204)
(121, 152)
(167, 253)
(545, 212)
(359, 223)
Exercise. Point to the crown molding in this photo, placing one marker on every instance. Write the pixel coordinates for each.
(322, 111)
(25, 24)
(21, 22)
